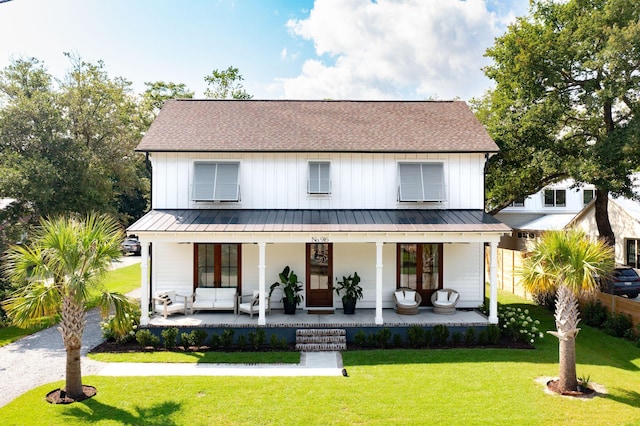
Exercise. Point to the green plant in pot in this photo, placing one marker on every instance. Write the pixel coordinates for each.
(351, 292)
(291, 288)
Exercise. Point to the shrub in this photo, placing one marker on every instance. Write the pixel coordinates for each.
(456, 338)
(278, 343)
(128, 333)
(415, 336)
(397, 340)
(169, 337)
(226, 339)
(617, 324)
(198, 337)
(493, 334)
(483, 337)
(594, 313)
(145, 338)
(382, 337)
(185, 340)
(214, 341)
(360, 338)
(257, 338)
(242, 341)
(440, 335)
(517, 325)
(470, 336)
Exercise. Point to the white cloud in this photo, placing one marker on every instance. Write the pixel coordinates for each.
(394, 49)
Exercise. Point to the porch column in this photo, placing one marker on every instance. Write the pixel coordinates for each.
(262, 320)
(144, 285)
(379, 319)
(493, 281)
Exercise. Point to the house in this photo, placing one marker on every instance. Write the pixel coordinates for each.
(552, 208)
(392, 190)
(624, 215)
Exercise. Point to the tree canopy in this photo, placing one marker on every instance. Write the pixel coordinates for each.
(566, 101)
(225, 84)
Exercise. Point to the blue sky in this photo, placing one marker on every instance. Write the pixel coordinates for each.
(285, 49)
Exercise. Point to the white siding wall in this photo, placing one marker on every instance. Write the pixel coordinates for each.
(463, 272)
(359, 181)
(173, 267)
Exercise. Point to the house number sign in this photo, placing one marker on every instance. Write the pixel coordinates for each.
(319, 239)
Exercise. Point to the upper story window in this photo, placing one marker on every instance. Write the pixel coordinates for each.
(518, 202)
(555, 197)
(421, 182)
(319, 177)
(216, 181)
(587, 196)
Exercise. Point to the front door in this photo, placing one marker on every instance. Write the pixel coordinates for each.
(319, 285)
(420, 268)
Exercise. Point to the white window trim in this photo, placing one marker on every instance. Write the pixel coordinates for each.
(555, 204)
(442, 197)
(319, 190)
(214, 189)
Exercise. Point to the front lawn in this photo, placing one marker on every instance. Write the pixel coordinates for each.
(437, 386)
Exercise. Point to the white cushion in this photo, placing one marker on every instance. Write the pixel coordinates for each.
(399, 295)
(410, 296)
(203, 294)
(256, 293)
(443, 296)
(225, 294)
(224, 304)
(453, 298)
(202, 304)
(406, 302)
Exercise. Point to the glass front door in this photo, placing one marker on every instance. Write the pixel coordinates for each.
(420, 268)
(319, 286)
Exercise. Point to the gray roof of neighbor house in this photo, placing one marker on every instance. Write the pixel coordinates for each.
(316, 126)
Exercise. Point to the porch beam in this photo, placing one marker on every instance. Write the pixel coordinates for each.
(144, 284)
(493, 282)
(379, 320)
(262, 246)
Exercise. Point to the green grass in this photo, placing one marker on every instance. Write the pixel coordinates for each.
(122, 280)
(444, 387)
(201, 357)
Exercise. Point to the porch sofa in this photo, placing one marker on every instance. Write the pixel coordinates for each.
(214, 299)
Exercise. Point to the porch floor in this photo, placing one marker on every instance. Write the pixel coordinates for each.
(303, 319)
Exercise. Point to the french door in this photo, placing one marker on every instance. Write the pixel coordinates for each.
(217, 265)
(319, 274)
(420, 268)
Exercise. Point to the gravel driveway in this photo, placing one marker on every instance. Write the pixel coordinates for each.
(40, 358)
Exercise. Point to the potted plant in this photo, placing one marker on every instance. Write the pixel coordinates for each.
(350, 287)
(291, 288)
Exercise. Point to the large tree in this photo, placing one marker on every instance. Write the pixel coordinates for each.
(57, 275)
(566, 101)
(566, 262)
(225, 84)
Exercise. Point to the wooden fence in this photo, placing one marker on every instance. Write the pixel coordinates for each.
(510, 260)
(508, 263)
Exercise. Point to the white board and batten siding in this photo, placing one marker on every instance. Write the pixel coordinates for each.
(279, 180)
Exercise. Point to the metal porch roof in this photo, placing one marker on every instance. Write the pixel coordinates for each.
(321, 220)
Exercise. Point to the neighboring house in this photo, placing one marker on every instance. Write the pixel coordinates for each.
(624, 215)
(391, 190)
(552, 208)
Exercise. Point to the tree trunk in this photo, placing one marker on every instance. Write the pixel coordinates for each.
(566, 316)
(71, 328)
(602, 217)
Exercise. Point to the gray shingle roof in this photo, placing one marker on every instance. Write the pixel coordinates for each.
(316, 126)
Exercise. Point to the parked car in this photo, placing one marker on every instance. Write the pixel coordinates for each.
(131, 245)
(624, 281)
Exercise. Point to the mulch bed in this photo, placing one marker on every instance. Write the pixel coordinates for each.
(554, 386)
(59, 396)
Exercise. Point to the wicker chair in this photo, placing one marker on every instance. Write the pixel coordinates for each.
(407, 301)
(444, 301)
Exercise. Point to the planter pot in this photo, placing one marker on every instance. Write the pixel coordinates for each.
(349, 306)
(289, 308)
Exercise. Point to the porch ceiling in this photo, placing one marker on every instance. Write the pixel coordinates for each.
(321, 220)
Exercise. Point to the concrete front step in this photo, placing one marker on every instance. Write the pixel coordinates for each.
(314, 340)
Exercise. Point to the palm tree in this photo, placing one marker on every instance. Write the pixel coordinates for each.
(569, 263)
(58, 273)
